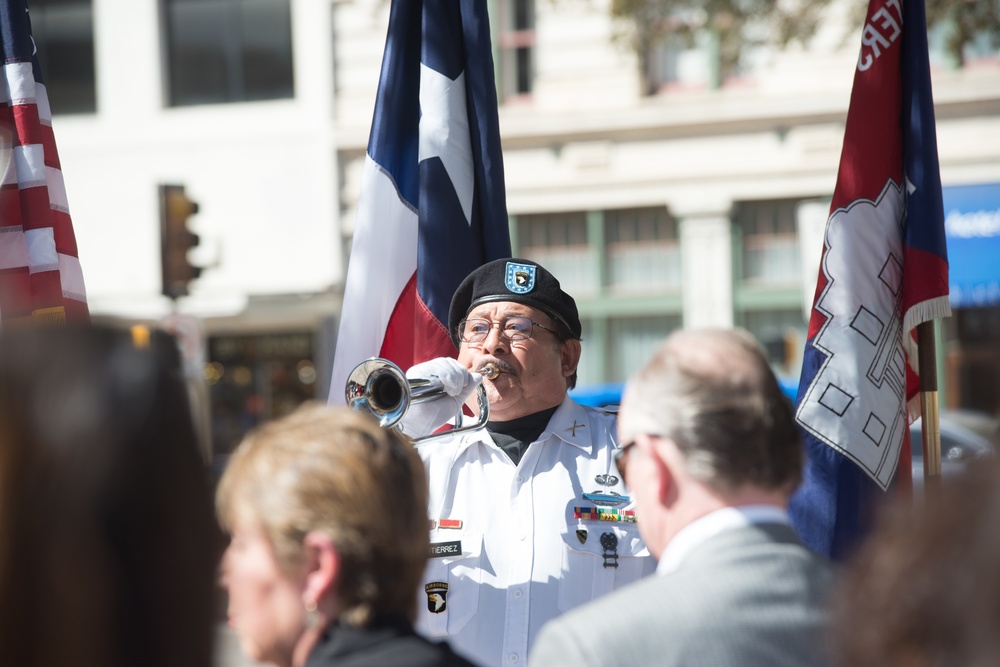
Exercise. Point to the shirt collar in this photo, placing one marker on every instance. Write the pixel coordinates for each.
(701, 530)
(571, 424)
(567, 415)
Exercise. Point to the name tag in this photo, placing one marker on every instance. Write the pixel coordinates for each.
(444, 549)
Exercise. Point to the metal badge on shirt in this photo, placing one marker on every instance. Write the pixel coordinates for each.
(606, 480)
(609, 543)
(606, 498)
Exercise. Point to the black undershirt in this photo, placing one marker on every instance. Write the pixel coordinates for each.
(514, 436)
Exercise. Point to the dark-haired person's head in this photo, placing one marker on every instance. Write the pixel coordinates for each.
(327, 516)
(108, 545)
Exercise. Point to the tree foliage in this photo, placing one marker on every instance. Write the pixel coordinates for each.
(643, 24)
(965, 21)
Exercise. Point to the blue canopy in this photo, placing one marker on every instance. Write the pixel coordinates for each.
(600, 395)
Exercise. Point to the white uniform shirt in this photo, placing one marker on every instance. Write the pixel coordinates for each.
(510, 554)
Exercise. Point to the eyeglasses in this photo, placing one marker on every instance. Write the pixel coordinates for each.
(511, 328)
(621, 459)
(622, 454)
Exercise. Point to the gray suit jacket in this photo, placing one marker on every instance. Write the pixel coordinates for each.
(748, 597)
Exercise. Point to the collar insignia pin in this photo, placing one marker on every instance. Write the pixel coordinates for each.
(575, 426)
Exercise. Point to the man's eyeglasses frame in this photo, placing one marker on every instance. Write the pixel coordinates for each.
(515, 335)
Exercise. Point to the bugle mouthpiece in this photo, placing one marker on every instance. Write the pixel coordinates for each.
(489, 370)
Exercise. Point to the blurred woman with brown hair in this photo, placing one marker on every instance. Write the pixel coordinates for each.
(327, 514)
(108, 546)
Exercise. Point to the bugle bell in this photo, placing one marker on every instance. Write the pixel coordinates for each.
(380, 388)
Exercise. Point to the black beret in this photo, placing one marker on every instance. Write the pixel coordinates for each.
(519, 280)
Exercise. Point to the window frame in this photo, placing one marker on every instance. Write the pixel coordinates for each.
(39, 16)
(238, 84)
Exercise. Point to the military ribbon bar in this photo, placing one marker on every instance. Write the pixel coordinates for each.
(604, 514)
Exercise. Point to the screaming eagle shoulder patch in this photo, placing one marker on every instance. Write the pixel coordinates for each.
(437, 596)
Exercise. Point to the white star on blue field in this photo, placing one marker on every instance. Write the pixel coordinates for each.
(444, 131)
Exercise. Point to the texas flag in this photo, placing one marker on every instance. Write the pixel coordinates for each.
(884, 270)
(40, 276)
(432, 205)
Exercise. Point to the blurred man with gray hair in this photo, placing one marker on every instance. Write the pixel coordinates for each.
(712, 454)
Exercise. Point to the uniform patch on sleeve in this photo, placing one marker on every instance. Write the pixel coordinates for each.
(437, 596)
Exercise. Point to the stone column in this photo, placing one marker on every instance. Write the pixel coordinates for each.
(810, 223)
(707, 265)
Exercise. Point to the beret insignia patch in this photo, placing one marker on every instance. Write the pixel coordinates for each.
(520, 278)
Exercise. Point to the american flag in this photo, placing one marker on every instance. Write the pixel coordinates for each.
(40, 275)
(432, 204)
(884, 271)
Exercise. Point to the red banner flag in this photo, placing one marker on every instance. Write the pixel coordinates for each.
(884, 271)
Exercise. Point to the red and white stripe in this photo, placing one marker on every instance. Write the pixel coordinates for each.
(40, 274)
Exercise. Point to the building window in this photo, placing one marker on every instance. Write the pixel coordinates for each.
(681, 62)
(952, 45)
(63, 31)
(770, 249)
(228, 50)
(642, 250)
(558, 242)
(632, 340)
(782, 333)
(590, 369)
(973, 359)
(516, 41)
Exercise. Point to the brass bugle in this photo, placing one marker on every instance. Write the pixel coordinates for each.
(380, 388)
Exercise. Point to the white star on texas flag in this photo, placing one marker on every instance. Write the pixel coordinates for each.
(444, 131)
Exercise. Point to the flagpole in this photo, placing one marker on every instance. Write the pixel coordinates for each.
(931, 431)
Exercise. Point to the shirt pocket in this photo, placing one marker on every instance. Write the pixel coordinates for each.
(446, 609)
(587, 574)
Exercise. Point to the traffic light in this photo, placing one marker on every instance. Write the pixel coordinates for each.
(176, 240)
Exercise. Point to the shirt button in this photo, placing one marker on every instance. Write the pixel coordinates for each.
(513, 657)
(517, 594)
(521, 537)
(519, 479)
